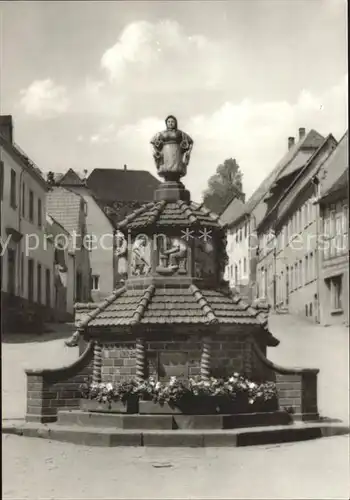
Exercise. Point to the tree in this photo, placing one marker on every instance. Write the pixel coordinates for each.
(223, 186)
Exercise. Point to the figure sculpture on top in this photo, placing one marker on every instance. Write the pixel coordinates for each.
(172, 150)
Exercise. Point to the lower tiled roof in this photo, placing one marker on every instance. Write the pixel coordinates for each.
(155, 306)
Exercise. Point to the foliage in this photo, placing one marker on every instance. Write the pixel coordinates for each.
(175, 390)
(223, 186)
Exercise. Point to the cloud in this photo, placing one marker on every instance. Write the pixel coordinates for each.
(253, 132)
(161, 56)
(43, 98)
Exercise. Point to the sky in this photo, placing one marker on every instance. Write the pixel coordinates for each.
(89, 83)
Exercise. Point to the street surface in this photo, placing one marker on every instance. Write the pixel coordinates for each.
(38, 469)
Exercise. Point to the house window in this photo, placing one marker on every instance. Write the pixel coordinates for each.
(306, 310)
(1, 179)
(236, 274)
(300, 273)
(38, 287)
(240, 234)
(302, 214)
(245, 229)
(244, 265)
(39, 212)
(48, 287)
(11, 270)
(296, 275)
(300, 220)
(30, 279)
(335, 285)
(345, 230)
(79, 286)
(22, 273)
(292, 278)
(13, 198)
(327, 238)
(95, 282)
(306, 269)
(89, 242)
(311, 264)
(31, 206)
(236, 236)
(23, 200)
(289, 230)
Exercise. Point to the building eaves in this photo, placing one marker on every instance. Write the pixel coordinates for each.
(18, 155)
(284, 195)
(311, 140)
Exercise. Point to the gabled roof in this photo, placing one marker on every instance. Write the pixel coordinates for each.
(64, 206)
(335, 165)
(296, 164)
(110, 184)
(234, 207)
(302, 179)
(70, 178)
(340, 185)
(163, 213)
(312, 140)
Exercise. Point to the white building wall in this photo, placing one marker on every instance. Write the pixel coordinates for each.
(33, 244)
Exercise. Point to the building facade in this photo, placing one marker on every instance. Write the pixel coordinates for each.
(64, 266)
(334, 241)
(69, 210)
(251, 214)
(27, 255)
(289, 241)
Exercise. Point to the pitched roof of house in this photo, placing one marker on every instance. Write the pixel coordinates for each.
(70, 178)
(229, 214)
(18, 154)
(341, 184)
(64, 206)
(335, 165)
(168, 306)
(304, 177)
(110, 184)
(163, 213)
(312, 140)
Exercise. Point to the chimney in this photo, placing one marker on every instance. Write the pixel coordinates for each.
(125, 168)
(6, 127)
(291, 141)
(301, 133)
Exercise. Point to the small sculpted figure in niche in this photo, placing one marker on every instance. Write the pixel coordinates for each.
(141, 259)
(174, 258)
(121, 253)
(172, 150)
(204, 259)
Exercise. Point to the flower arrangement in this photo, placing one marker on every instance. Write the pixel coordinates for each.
(176, 390)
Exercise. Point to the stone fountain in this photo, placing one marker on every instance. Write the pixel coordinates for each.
(173, 316)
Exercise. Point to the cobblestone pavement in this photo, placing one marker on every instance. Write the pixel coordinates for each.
(38, 469)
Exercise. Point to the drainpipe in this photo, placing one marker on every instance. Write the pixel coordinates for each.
(19, 230)
(316, 182)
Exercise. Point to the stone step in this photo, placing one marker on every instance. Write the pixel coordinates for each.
(93, 436)
(171, 422)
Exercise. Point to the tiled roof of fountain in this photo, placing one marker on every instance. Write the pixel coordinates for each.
(163, 213)
(151, 305)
